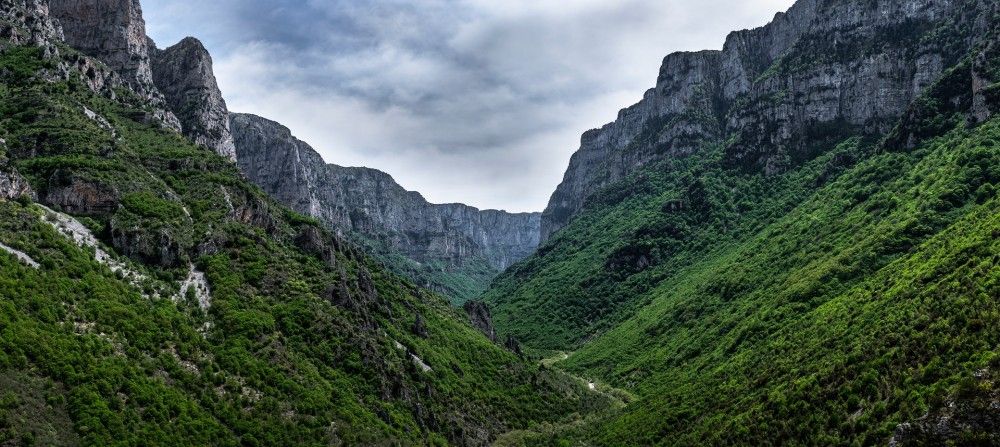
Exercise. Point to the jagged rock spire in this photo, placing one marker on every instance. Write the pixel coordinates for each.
(184, 74)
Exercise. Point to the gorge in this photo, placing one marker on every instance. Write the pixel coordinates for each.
(794, 240)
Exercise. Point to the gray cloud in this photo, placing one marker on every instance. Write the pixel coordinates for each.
(474, 101)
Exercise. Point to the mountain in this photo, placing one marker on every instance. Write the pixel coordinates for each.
(774, 99)
(178, 80)
(866, 62)
(153, 296)
(454, 249)
(791, 241)
(114, 32)
(183, 72)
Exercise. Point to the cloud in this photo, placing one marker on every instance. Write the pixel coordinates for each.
(473, 101)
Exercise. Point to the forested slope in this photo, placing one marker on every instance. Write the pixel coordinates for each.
(153, 296)
(825, 304)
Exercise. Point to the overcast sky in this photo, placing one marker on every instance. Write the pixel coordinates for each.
(473, 101)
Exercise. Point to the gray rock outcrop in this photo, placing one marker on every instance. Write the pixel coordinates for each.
(370, 203)
(178, 82)
(183, 73)
(480, 317)
(13, 186)
(773, 95)
(114, 32)
(28, 22)
(970, 417)
(79, 195)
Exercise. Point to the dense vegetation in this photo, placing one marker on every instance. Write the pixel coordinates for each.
(822, 306)
(459, 281)
(711, 303)
(303, 340)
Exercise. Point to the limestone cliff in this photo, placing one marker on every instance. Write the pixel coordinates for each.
(28, 21)
(24, 22)
(183, 73)
(773, 94)
(114, 32)
(370, 203)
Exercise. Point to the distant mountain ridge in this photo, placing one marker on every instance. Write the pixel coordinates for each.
(462, 247)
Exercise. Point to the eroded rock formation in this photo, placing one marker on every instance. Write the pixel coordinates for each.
(774, 94)
(183, 73)
(371, 203)
(479, 316)
(112, 31)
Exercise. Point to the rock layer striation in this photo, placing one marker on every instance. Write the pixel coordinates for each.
(370, 203)
(773, 94)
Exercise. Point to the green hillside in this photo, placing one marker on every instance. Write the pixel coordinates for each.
(821, 306)
(301, 340)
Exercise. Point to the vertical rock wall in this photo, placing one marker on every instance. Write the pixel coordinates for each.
(184, 74)
(774, 94)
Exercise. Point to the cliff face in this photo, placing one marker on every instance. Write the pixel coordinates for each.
(177, 82)
(370, 203)
(183, 73)
(822, 69)
(114, 32)
(110, 30)
(28, 22)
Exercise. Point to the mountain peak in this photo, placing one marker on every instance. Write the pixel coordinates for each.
(184, 73)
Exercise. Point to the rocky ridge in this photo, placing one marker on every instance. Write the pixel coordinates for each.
(183, 72)
(112, 31)
(773, 94)
(178, 82)
(370, 203)
(24, 22)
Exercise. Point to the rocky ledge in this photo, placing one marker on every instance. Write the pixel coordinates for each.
(184, 74)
